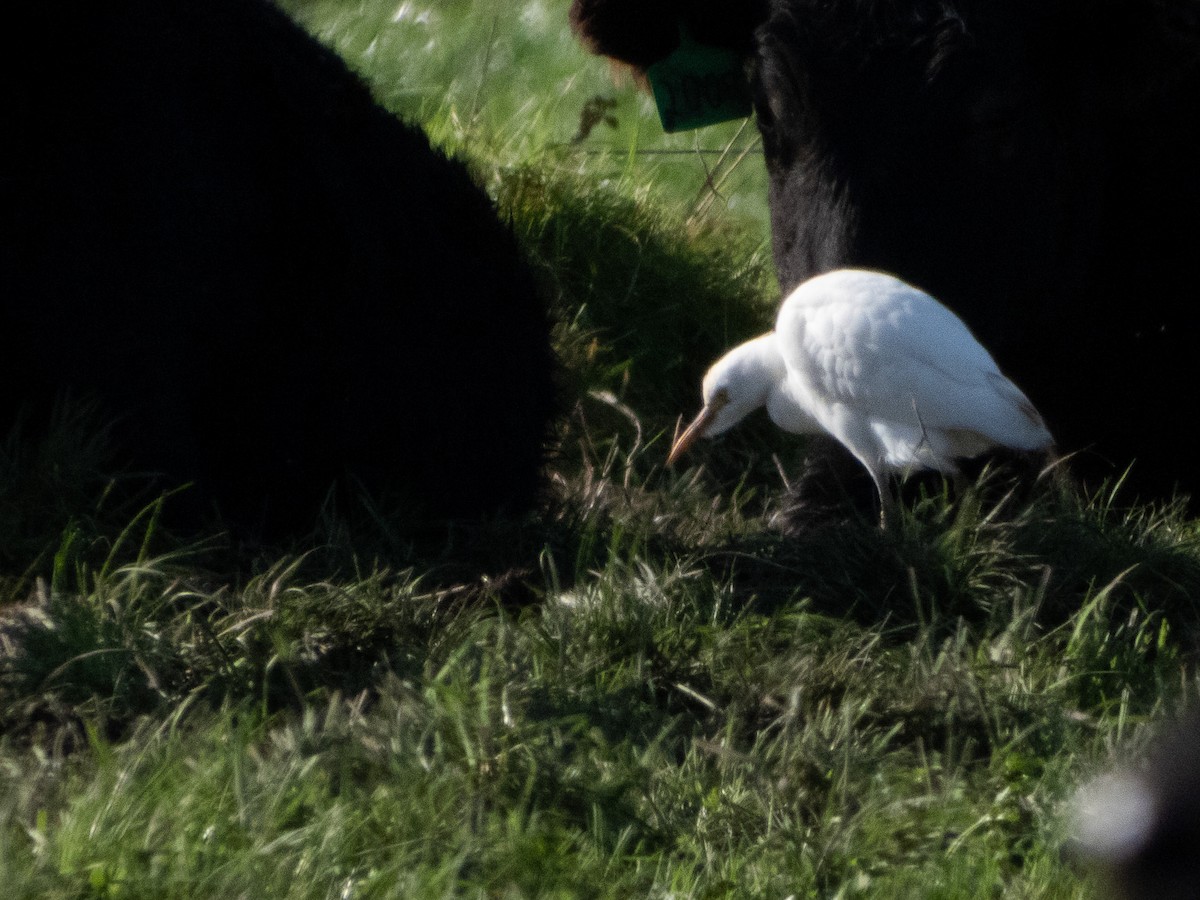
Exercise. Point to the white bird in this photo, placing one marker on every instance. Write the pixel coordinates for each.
(882, 366)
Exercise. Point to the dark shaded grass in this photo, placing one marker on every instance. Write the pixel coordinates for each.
(46, 482)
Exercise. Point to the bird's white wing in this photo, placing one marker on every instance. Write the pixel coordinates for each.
(894, 354)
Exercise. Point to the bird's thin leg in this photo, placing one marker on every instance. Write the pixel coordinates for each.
(887, 503)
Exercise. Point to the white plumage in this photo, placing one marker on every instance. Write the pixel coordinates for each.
(885, 368)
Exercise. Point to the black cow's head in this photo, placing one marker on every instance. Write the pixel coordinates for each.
(1029, 162)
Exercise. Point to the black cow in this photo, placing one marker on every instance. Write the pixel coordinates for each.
(208, 223)
(1032, 163)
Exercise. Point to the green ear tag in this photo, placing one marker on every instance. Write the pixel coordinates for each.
(699, 85)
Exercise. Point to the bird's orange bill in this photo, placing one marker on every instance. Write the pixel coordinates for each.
(691, 434)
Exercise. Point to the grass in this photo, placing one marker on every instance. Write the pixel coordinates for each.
(469, 70)
(647, 688)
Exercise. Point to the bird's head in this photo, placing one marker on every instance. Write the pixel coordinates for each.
(737, 384)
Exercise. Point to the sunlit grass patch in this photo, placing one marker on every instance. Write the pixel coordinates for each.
(509, 82)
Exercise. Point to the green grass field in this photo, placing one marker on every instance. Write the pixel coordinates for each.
(649, 687)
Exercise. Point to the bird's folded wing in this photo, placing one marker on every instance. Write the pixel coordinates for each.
(904, 358)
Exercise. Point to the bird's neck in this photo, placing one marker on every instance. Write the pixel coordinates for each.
(788, 412)
(762, 368)
(761, 364)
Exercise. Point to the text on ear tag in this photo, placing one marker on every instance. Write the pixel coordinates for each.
(699, 85)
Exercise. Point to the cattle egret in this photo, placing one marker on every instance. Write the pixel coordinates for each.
(885, 368)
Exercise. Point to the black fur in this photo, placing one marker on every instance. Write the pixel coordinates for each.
(1032, 163)
(640, 33)
(209, 223)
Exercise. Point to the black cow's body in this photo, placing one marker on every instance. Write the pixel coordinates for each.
(1033, 164)
(208, 223)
